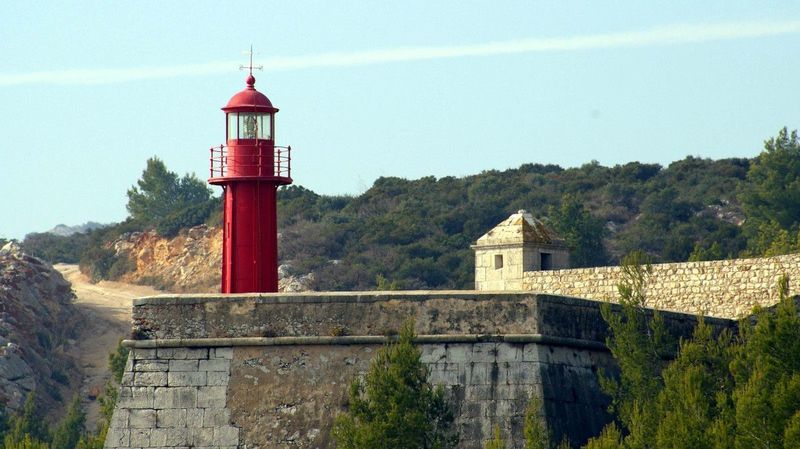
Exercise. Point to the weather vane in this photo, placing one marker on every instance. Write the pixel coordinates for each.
(251, 66)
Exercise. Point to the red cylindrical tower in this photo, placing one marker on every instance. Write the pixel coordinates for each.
(250, 167)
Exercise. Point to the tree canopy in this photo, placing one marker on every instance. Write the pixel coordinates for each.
(160, 195)
(723, 390)
(395, 406)
(771, 196)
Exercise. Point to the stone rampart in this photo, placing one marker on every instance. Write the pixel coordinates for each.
(721, 288)
(272, 370)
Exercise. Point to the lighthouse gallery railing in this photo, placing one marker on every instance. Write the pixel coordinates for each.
(261, 165)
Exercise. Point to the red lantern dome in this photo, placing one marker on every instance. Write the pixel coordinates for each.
(250, 100)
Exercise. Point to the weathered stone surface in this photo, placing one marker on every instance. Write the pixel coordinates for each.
(173, 417)
(287, 395)
(211, 397)
(150, 365)
(175, 397)
(365, 313)
(721, 288)
(370, 313)
(178, 410)
(223, 353)
(182, 379)
(222, 365)
(135, 397)
(142, 419)
(182, 365)
(517, 244)
(152, 379)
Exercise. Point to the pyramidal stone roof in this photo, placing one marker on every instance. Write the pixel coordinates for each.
(521, 228)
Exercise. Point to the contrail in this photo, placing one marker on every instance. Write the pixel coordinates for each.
(659, 36)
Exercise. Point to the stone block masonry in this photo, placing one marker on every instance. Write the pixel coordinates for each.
(174, 398)
(273, 370)
(721, 288)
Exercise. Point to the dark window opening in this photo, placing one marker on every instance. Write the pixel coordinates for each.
(547, 261)
(498, 261)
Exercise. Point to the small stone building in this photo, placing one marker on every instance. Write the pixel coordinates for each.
(518, 244)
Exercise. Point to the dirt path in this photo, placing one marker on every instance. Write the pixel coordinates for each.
(106, 307)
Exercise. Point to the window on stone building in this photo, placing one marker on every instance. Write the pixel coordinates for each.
(547, 261)
(498, 261)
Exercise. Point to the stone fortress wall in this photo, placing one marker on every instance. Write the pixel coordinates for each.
(272, 370)
(511, 256)
(721, 288)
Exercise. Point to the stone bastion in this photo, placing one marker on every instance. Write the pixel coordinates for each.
(273, 370)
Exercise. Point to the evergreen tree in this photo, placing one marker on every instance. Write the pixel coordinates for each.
(25, 443)
(609, 438)
(713, 252)
(394, 406)
(766, 369)
(72, 427)
(159, 195)
(720, 392)
(27, 424)
(696, 395)
(639, 343)
(117, 360)
(771, 194)
(93, 441)
(582, 232)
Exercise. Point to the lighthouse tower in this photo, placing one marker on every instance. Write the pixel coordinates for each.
(250, 167)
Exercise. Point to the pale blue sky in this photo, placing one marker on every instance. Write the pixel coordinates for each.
(90, 90)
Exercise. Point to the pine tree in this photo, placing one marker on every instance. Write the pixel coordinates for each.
(71, 428)
(25, 443)
(394, 406)
(766, 369)
(771, 196)
(160, 194)
(582, 232)
(609, 438)
(696, 393)
(27, 424)
(639, 343)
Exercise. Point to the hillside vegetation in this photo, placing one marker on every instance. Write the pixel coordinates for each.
(416, 233)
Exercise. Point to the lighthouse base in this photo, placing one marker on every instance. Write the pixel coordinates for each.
(250, 238)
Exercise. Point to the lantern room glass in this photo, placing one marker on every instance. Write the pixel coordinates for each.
(249, 125)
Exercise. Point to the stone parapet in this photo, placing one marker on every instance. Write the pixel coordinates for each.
(721, 288)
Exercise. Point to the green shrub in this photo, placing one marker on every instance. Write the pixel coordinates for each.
(96, 262)
(117, 360)
(122, 264)
(191, 215)
(395, 406)
(59, 377)
(55, 248)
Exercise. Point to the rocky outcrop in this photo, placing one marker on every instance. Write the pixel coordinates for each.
(188, 263)
(37, 323)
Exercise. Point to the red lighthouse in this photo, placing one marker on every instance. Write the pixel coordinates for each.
(250, 167)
